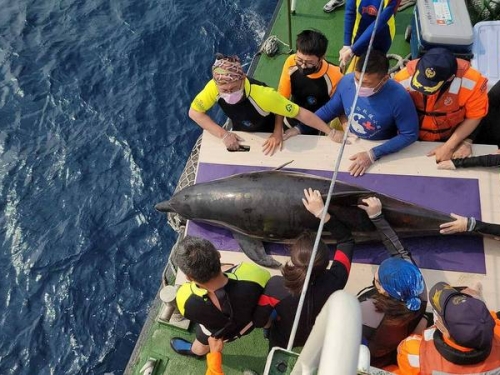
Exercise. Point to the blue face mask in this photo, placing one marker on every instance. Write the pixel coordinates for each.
(233, 97)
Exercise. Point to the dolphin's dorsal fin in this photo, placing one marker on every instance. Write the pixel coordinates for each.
(283, 165)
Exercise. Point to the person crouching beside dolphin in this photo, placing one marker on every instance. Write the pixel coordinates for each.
(250, 105)
(282, 293)
(221, 303)
(394, 306)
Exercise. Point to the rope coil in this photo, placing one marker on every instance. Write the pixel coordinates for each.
(271, 46)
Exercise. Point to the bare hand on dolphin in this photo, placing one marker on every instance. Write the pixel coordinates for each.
(459, 225)
(372, 207)
(313, 202)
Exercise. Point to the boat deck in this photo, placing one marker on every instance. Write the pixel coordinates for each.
(318, 153)
(309, 15)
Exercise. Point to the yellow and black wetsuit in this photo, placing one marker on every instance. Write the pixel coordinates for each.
(243, 289)
(255, 113)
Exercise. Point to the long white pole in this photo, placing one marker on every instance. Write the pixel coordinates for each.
(330, 191)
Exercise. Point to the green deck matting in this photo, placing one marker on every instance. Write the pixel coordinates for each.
(248, 352)
(309, 15)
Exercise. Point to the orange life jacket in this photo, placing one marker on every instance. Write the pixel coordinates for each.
(433, 362)
(442, 112)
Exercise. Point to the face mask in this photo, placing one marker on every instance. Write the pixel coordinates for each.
(307, 71)
(364, 91)
(233, 97)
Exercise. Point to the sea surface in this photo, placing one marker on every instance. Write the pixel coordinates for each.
(93, 132)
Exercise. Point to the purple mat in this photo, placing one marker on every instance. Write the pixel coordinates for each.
(451, 253)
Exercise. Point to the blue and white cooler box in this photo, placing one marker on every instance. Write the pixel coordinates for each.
(441, 23)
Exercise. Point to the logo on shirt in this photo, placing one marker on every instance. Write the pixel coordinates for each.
(357, 123)
(448, 101)
(311, 100)
(364, 124)
(371, 10)
(289, 108)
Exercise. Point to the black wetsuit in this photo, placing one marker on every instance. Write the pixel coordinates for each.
(243, 289)
(382, 337)
(277, 297)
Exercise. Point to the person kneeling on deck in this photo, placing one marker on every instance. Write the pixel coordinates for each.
(307, 79)
(394, 306)
(384, 110)
(249, 104)
(278, 304)
(464, 340)
(451, 99)
(221, 303)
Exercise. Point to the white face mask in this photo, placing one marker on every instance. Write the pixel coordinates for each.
(369, 91)
(233, 97)
(364, 91)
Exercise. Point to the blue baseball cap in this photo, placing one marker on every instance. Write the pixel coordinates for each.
(433, 69)
(467, 319)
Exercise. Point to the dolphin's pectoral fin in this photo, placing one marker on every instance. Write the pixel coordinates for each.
(254, 249)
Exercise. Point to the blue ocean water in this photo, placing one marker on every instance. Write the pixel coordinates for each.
(93, 132)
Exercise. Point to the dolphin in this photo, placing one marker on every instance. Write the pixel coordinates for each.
(267, 206)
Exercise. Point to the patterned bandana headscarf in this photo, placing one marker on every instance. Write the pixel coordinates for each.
(402, 280)
(227, 69)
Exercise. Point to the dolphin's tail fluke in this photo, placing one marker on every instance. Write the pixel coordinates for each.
(164, 206)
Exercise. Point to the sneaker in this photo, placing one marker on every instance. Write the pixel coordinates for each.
(183, 347)
(332, 5)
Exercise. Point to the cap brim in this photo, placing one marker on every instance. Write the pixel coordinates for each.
(439, 294)
(421, 84)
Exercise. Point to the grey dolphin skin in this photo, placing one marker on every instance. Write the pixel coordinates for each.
(267, 206)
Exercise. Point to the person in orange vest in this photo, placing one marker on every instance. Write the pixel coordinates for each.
(464, 340)
(450, 97)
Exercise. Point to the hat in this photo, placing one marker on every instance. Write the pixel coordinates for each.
(227, 69)
(432, 70)
(467, 319)
(402, 280)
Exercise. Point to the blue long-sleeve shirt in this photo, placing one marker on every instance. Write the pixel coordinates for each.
(388, 114)
(359, 22)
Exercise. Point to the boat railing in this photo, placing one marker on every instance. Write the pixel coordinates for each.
(333, 346)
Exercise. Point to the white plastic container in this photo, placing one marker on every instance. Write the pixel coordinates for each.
(486, 50)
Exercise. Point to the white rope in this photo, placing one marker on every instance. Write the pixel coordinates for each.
(400, 64)
(330, 191)
(271, 46)
(406, 4)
